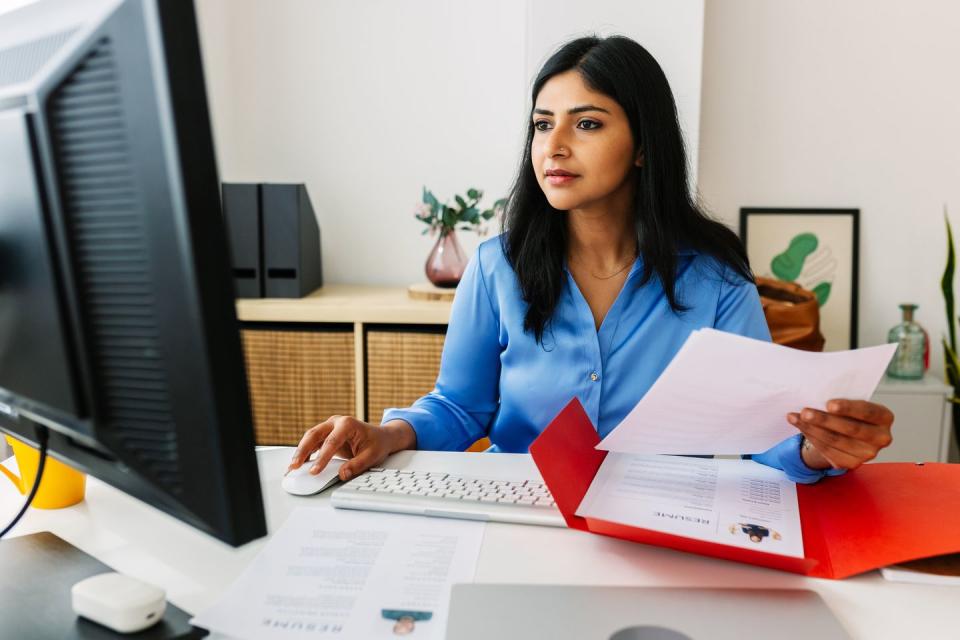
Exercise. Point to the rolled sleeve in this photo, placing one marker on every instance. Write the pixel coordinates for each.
(458, 411)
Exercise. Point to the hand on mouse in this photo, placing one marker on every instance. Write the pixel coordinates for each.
(363, 445)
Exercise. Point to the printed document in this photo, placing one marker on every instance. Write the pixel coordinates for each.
(332, 573)
(740, 503)
(724, 394)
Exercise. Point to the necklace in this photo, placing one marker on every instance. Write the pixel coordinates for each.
(617, 272)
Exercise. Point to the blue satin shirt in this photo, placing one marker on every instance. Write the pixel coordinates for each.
(496, 381)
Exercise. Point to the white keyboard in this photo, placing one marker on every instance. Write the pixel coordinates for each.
(449, 496)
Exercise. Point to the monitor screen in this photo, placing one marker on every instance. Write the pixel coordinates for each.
(118, 330)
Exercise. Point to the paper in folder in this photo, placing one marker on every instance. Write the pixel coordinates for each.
(870, 517)
(724, 394)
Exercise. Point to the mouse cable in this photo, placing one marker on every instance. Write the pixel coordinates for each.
(43, 435)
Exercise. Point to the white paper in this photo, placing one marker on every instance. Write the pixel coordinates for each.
(740, 503)
(724, 394)
(329, 573)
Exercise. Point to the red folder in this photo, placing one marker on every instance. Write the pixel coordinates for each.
(879, 514)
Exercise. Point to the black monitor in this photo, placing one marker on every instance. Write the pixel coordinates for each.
(118, 330)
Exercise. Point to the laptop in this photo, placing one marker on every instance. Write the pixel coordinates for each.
(551, 612)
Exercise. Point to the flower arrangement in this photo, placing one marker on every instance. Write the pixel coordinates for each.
(465, 216)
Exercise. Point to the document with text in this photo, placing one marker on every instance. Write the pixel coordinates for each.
(331, 573)
(724, 394)
(739, 503)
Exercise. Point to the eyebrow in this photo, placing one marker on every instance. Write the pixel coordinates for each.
(580, 109)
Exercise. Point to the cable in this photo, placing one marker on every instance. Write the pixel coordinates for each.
(43, 435)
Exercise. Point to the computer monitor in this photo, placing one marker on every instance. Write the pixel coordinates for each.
(118, 330)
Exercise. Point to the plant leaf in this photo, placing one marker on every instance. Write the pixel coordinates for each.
(951, 365)
(430, 199)
(946, 283)
(473, 193)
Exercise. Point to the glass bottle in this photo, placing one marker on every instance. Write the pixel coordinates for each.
(907, 363)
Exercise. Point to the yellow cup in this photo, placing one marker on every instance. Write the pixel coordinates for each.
(61, 485)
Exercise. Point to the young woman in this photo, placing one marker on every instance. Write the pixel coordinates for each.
(604, 267)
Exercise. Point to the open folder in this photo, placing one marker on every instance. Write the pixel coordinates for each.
(876, 515)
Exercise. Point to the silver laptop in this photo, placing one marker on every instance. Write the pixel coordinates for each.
(530, 612)
(450, 495)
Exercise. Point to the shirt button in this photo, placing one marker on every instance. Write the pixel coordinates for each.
(594, 376)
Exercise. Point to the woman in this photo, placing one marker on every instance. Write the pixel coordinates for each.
(604, 267)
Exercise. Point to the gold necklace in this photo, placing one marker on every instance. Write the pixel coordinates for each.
(618, 271)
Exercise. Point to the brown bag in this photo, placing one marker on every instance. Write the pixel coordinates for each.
(792, 313)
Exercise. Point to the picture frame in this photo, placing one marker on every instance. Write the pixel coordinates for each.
(819, 249)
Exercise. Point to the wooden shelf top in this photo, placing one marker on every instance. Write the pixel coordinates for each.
(347, 303)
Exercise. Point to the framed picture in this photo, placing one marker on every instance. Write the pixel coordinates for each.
(819, 250)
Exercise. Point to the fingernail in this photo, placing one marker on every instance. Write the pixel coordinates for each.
(807, 414)
(315, 469)
(833, 406)
(792, 418)
(346, 474)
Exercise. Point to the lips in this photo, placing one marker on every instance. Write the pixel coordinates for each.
(559, 177)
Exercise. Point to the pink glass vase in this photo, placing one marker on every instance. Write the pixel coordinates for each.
(446, 261)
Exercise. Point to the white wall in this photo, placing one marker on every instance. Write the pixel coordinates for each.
(842, 104)
(368, 100)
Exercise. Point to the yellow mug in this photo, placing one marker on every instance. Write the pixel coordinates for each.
(61, 485)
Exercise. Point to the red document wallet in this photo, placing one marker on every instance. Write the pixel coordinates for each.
(879, 514)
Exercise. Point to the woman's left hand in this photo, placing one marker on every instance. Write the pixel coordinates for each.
(847, 434)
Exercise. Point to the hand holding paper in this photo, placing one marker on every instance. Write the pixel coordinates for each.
(725, 394)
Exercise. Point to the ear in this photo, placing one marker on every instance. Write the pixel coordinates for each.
(639, 161)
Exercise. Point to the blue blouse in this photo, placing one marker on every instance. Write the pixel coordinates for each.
(496, 381)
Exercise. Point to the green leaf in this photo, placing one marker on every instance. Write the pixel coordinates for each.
(473, 193)
(486, 215)
(951, 365)
(430, 199)
(449, 218)
(946, 283)
(461, 202)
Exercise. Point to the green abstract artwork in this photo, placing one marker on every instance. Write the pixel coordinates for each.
(789, 265)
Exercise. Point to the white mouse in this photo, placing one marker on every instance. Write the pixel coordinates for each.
(299, 482)
(119, 602)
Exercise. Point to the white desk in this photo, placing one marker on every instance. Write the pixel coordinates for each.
(195, 569)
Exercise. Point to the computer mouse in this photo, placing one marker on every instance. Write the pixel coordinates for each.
(300, 482)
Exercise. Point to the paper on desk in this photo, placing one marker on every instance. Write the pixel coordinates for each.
(725, 394)
(733, 502)
(330, 572)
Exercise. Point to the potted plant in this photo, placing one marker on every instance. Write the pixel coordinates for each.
(951, 364)
(446, 261)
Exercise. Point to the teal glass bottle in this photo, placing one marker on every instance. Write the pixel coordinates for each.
(911, 339)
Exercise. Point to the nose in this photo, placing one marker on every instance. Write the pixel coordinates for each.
(556, 144)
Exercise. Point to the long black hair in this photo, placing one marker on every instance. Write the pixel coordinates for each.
(666, 216)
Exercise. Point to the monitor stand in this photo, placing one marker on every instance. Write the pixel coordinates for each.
(38, 571)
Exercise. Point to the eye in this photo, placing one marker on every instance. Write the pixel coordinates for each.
(537, 123)
(593, 124)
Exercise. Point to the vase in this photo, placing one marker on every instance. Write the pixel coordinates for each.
(910, 337)
(446, 262)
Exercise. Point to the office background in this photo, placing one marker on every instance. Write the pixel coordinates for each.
(813, 104)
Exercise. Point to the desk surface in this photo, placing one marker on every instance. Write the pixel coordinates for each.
(195, 569)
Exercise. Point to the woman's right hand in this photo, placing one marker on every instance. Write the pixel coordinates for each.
(363, 445)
